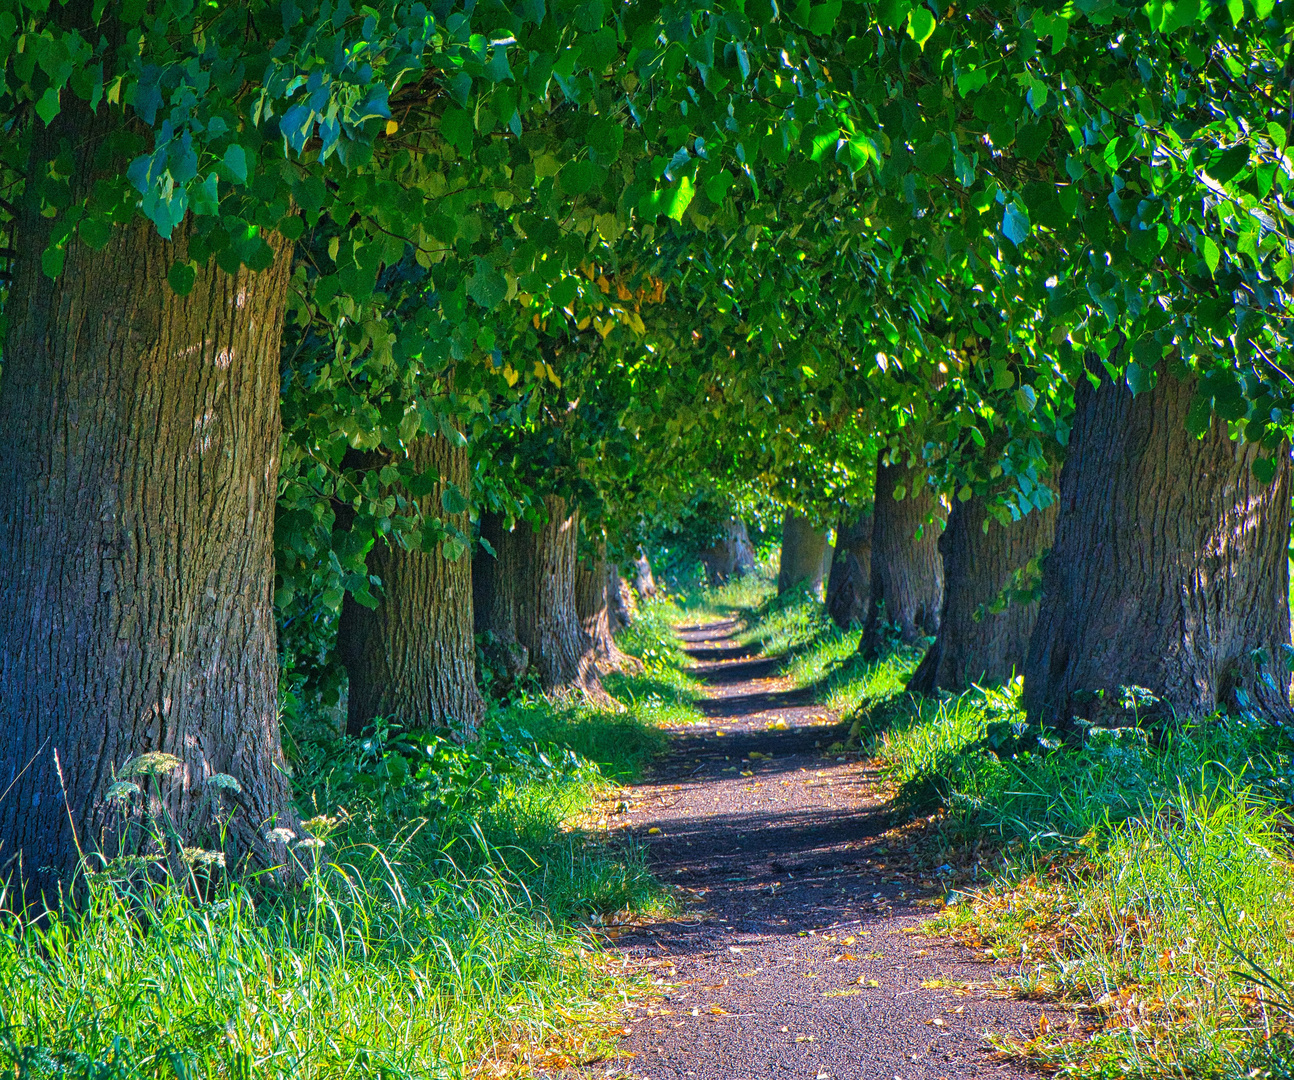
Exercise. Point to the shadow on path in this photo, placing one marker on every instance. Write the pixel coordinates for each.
(797, 958)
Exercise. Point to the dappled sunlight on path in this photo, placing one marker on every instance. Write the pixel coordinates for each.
(797, 956)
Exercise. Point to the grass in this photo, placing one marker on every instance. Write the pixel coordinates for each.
(443, 930)
(1141, 882)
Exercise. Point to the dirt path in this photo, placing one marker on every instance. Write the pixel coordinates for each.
(800, 961)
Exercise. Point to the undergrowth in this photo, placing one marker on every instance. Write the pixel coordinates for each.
(1141, 880)
(442, 929)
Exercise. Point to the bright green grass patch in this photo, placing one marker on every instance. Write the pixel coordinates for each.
(441, 929)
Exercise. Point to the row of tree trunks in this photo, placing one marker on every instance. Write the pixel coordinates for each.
(907, 577)
(139, 432)
(414, 655)
(806, 555)
(1170, 567)
(732, 555)
(979, 556)
(850, 581)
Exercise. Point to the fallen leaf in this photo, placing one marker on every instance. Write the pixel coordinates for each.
(716, 1010)
(653, 831)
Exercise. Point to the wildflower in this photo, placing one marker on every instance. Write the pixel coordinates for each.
(154, 763)
(280, 836)
(310, 842)
(121, 791)
(195, 856)
(225, 782)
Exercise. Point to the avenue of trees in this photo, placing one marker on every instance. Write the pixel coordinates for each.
(343, 344)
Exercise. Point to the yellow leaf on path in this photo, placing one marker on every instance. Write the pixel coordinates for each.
(716, 1010)
(653, 831)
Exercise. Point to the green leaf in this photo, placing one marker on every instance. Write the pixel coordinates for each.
(1264, 469)
(893, 12)
(236, 162)
(456, 129)
(679, 199)
(1015, 223)
(1226, 164)
(181, 277)
(453, 500)
(822, 17)
(47, 107)
(487, 286)
(51, 261)
(1212, 254)
(921, 24)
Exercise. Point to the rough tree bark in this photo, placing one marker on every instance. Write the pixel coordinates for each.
(528, 596)
(494, 599)
(906, 574)
(414, 656)
(731, 556)
(806, 555)
(1169, 566)
(620, 599)
(977, 565)
(139, 432)
(644, 582)
(593, 584)
(850, 581)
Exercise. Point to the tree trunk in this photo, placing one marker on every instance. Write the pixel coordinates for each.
(975, 645)
(140, 433)
(644, 582)
(494, 597)
(731, 556)
(805, 555)
(414, 656)
(528, 596)
(850, 582)
(1170, 567)
(906, 574)
(620, 600)
(592, 601)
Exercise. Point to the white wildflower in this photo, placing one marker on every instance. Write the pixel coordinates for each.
(280, 836)
(121, 791)
(311, 842)
(225, 782)
(195, 856)
(154, 763)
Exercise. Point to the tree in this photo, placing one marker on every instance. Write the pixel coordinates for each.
(850, 582)
(989, 609)
(1170, 566)
(806, 555)
(140, 435)
(413, 655)
(906, 572)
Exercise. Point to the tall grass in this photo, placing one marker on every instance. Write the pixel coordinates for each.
(442, 929)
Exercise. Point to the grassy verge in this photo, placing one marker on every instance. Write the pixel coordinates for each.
(442, 930)
(1143, 882)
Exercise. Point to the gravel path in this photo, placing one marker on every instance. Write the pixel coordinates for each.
(798, 959)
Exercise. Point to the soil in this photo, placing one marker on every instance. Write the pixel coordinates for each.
(798, 956)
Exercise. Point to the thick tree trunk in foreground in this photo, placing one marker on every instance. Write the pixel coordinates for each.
(1168, 570)
(806, 555)
(731, 556)
(139, 433)
(974, 645)
(593, 603)
(414, 656)
(850, 581)
(907, 581)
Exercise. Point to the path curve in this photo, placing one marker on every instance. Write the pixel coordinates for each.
(798, 958)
